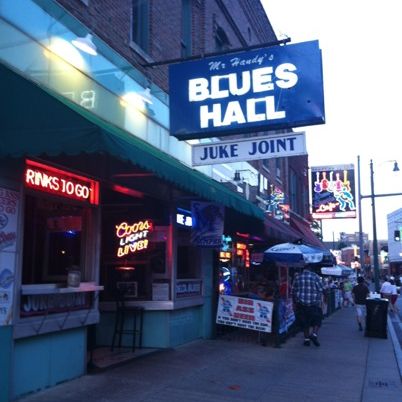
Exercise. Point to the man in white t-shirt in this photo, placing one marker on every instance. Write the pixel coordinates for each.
(386, 290)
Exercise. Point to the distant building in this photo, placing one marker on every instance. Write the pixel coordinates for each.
(394, 242)
(352, 238)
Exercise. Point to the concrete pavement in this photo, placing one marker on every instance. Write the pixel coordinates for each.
(348, 367)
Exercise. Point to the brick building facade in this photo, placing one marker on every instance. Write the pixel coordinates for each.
(215, 25)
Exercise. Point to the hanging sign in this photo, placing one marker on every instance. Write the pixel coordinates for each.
(333, 192)
(183, 217)
(60, 182)
(266, 89)
(245, 313)
(207, 224)
(276, 146)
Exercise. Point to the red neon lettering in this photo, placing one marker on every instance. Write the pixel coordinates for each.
(51, 179)
(42, 180)
(81, 191)
(29, 176)
(45, 181)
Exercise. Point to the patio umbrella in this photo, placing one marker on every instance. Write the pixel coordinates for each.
(298, 254)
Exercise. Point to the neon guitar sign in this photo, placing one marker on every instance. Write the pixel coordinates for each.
(333, 197)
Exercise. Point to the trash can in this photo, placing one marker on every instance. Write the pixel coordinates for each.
(376, 318)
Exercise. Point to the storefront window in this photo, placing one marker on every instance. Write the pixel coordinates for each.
(53, 240)
(134, 247)
(187, 267)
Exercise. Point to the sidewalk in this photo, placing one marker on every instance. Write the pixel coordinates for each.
(348, 367)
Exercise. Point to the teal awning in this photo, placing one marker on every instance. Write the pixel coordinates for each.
(35, 121)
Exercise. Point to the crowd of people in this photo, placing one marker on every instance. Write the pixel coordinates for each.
(315, 296)
(309, 292)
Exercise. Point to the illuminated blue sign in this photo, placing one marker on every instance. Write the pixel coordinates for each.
(183, 217)
(265, 89)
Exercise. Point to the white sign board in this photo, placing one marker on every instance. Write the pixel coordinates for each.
(160, 291)
(274, 146)
(245, 313)
(9, 204)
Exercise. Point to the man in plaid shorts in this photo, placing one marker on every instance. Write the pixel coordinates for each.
(307, 292)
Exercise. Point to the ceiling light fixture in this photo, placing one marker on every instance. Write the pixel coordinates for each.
(85, 44)
(146, 96)
(237, 177)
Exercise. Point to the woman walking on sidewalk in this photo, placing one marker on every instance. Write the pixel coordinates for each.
(360, 293)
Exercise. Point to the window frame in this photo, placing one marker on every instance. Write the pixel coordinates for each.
(140, 25)
(186, 29)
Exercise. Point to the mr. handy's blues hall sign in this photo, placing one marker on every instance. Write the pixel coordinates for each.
(266, 89)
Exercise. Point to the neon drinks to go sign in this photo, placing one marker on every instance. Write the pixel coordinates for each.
(60, 182)
(133, 237)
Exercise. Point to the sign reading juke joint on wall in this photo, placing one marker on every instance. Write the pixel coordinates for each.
(266, 89)
(275, 146)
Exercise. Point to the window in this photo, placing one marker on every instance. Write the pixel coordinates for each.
(263, 185)
(221, 40)
(265, 164)
(293, 191)
(305, 202)
(186, 38)
(134, 239)
(186, 263)
(53, 240)
(187, 256)
(140, 29)
(278, 168)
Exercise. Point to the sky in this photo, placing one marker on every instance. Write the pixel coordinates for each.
(362, 69)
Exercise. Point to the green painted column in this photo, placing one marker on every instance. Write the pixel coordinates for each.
(6, 341)
(208, 309)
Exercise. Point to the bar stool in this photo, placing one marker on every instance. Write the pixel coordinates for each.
(124, 311)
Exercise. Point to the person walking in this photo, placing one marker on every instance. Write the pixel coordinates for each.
(307, 291)
(360, 292)
(386, 290)
(394, 296)
(347, 288)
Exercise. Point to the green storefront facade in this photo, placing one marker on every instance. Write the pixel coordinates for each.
(44, 331)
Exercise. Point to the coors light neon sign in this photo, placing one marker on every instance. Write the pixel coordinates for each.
(133, 237)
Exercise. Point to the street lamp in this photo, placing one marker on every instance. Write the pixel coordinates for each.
(372, 196)
(237, 178)
(375, 244)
